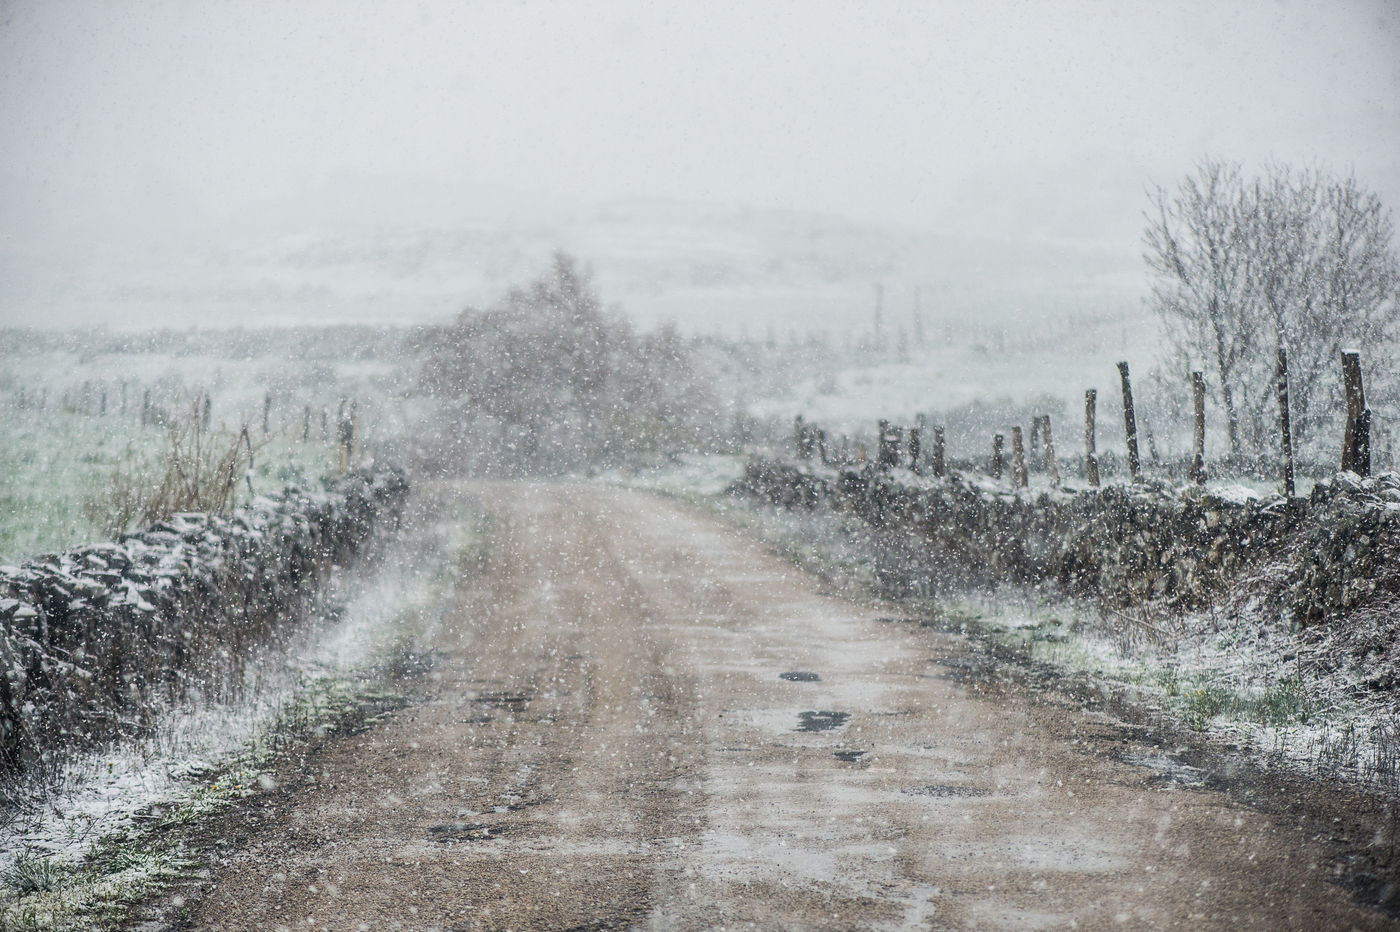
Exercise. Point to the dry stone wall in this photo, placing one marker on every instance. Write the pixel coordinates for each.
(1317, 559)
(94, 640)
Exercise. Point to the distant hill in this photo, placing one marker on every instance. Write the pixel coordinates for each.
(705, 267)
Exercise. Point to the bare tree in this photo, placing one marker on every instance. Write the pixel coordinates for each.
(1196, 245)
(1295, 259)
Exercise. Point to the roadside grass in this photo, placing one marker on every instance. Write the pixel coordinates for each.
(126, 867)
(366, 666)
(1254, 693)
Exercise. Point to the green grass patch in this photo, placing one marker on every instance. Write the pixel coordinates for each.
(60, 467)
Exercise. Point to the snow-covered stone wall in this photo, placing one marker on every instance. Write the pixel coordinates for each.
(1318, 558)
(94, 641)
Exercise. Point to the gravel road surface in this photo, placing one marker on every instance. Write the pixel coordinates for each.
(640, 717)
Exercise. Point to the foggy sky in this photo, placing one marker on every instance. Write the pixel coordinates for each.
(180, 121)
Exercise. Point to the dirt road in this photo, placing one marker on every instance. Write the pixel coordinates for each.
(643, 719)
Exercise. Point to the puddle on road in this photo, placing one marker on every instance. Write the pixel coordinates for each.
(849, 757)
(1169, 770)
(821, 721)
(946, 791)
(799, 676)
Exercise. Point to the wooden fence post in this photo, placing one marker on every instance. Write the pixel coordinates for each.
(267, 409)
(916, 441)
(146, 408)
(1356, 407)
(1019, 478)
(889, 449)
(1052, 466)
(1130, 422)
(1198, 437)
(997, 443)
(1285, 433)
(1091, 459)
(938, 466)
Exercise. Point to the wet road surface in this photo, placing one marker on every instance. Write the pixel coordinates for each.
(642, 718)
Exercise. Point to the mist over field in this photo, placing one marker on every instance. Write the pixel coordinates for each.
(620, 464)
(217, 165)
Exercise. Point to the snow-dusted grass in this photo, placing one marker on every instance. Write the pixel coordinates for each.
(967, 364)
(685, 475)
(1234, 675)
(77, 851)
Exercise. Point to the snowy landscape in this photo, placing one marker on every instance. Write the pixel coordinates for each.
(607, 468)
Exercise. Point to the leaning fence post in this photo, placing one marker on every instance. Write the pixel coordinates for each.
(1356, 407)
(1052, 466)
(1091, 459)
(1286, 435)
(938, 467)
(1198, 437)
(1018, 458)
(997, 442)
(1130, 422)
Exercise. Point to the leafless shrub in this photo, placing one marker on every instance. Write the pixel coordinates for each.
(198, 470)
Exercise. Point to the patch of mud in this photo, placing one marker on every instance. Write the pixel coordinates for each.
(452, 833)
(1168, 771)
(821, 721)
(946, 791)
(799, 676)
(849, 757)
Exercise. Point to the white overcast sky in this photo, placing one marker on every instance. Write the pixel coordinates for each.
(1002, 118)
